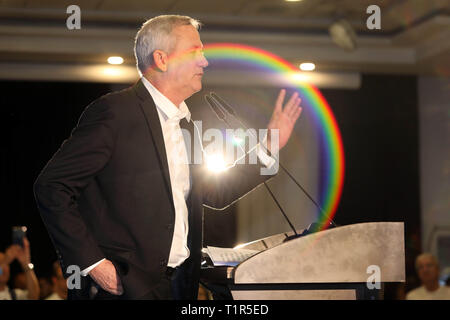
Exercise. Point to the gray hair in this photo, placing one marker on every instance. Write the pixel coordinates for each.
(156, 34)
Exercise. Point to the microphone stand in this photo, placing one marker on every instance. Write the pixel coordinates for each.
(221, 115)
(224, 105)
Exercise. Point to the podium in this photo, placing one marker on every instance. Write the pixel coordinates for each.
(349, 262)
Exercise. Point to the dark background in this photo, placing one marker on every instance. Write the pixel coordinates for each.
(378, 123)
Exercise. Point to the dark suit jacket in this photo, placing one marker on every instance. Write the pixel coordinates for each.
(106, 193)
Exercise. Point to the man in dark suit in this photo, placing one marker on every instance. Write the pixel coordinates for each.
(114, 199)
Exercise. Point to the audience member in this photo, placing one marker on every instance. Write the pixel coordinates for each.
(20, 281)
(23, 257)
(427, 268)
(46, 287)
(59, 284)
(394, 291)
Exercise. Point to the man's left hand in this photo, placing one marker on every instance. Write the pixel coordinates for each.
(283, 119)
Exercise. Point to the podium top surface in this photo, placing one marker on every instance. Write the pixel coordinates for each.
(360, 252)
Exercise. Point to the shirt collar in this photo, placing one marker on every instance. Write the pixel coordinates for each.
(167, 107)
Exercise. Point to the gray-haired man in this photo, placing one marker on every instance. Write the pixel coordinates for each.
(115, 203)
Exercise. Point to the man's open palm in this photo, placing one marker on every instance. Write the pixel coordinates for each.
(283, 118)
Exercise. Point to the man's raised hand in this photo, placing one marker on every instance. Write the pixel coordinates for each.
(283, 119)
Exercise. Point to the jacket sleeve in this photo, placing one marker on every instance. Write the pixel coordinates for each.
(220, 190)
(59, 185)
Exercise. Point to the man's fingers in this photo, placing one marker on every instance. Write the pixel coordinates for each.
(119, 286)
(107, 277)
(280, 99)
(291, 104)
(26, 244)
(113, 285)
(15, 250)
(293, 108)
(297, 114)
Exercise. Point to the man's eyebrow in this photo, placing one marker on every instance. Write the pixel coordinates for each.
(195, 48)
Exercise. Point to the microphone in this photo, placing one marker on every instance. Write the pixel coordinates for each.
(224, 104)
(232, 112)
(221, 115)
(215, 108)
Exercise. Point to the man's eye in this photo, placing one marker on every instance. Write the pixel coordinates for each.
(191, 54)
(197, 52)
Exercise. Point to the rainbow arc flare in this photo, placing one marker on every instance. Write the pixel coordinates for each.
(332, 151)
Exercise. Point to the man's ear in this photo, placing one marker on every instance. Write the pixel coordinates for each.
(161, 60)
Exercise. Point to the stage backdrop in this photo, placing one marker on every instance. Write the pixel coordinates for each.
(378, 123)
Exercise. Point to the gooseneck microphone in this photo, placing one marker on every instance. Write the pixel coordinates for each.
(217, 110)
(230, 110)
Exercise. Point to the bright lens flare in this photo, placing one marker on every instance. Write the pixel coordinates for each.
(299, 77)
(111, 71)
(216, 163)
(115, 60)
(237, 141)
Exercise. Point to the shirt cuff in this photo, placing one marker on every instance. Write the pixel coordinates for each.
(86, 271)
(261, 152)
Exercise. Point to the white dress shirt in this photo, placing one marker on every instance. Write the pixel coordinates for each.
(54, 296)
(20, 294)
(170, 116)
(421, 293)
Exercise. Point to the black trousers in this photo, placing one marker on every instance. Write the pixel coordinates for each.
(172, 286)
(162, 291)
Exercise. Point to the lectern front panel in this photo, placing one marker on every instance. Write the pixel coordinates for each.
(294, 294)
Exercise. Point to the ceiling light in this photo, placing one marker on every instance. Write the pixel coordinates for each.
(293, 0)
(343, 34)
(307, 66)
(115, 60)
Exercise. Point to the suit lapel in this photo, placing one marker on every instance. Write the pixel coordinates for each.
(195, 235)
(151, 114)
(190, 145)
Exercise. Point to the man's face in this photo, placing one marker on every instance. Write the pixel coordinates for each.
(60, 284)
(427, 269)
(186, 61)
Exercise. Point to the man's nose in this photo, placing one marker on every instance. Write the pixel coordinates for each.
(203, 62)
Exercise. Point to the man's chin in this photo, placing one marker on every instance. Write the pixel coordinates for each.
(197, 87)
